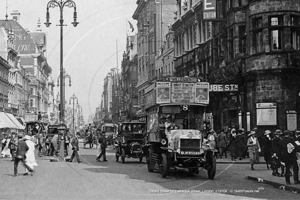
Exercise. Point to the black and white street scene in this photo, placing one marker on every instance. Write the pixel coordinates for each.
(149, 99)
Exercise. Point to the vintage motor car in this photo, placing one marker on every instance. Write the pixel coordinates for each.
(34, 128)
(130, 141)
(182, 150)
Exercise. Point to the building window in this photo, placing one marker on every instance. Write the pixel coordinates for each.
(230, 44)
(242, 39)
(295, 32)
(295, 20)
(257, 35)
(31, 102)
(257, 23)
(296, 39)
(276, 32)
(276, 38)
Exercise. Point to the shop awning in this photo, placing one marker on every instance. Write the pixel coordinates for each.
(21, 120)
(15, 121)
(3, 124)
(8, 122)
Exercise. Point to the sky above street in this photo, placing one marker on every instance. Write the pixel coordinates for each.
(90, 50)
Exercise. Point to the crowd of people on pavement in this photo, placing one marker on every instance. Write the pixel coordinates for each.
(20, 148)
(23, 147)
(281, 149)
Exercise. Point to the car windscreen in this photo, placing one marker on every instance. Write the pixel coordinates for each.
(33, 126)
(133, 127)
(108, 129)
(52, 130)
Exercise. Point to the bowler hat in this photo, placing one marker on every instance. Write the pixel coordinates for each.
(267, 132)
(278, 131)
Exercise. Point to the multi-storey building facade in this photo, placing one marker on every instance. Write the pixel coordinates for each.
(41, 73)
(8, 56)
(17, 97)
(30, 49)
(253, 44)
(129, 80)
(153, 18)
(115, 89)
(22, 90)
(106, 102)
(165, 61)
(4, 70)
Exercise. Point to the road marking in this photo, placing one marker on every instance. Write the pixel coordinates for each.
(210, 180)
(190, 188)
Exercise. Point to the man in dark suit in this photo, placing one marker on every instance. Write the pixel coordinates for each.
(22, 148)
(75, 149)
(288, 152)
(103, 145)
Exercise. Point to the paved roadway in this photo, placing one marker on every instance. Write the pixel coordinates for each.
(131, 180)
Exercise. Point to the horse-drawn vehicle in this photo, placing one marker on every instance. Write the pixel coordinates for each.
(174, 142)
(91, 139)
(34, 128)
(130, 141)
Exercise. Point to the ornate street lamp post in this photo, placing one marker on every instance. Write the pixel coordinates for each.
(78, 117)
(65, 75)
(73, 98)
(61, 4)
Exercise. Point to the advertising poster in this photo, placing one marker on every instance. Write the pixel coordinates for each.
(183, 92)
(163, 92)
(152, 122)
(202, 92)
(150, 99)
(266, 114)
(291, 117)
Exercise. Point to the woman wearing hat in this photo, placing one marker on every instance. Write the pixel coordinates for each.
(253, 149)
(267, 147)
(30, 154)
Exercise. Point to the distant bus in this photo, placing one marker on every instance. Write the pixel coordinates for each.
(110, 130)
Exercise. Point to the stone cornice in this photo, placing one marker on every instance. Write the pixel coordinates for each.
(137, 12)
(4, 63)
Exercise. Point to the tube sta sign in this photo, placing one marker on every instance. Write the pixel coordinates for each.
(223, 87)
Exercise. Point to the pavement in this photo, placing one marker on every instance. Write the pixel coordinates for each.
(262, 175)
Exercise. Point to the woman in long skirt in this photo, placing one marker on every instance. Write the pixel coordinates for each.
(253, 149)
(5, 147)
(30, 155)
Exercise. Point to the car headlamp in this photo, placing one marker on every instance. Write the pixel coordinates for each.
(163, 142)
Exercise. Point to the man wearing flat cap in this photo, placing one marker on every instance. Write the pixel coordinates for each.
(288, 149)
